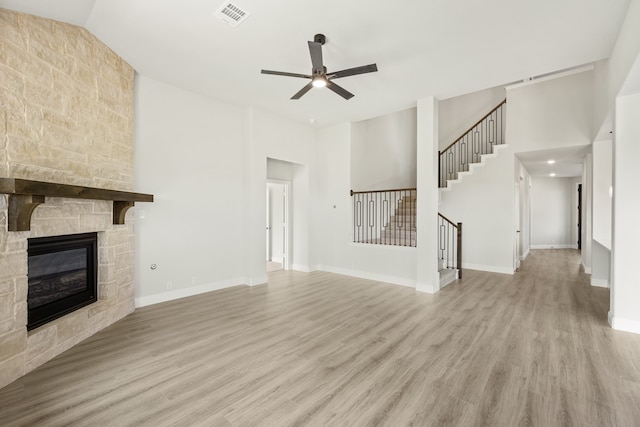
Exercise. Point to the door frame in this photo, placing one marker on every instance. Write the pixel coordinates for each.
(286, 258)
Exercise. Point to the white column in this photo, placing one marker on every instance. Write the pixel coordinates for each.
(625, 288)
(427, 279)
(587, 209)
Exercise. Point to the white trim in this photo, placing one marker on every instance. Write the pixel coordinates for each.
(411, 283)
(187, 292)
(303, 268)
(489, 268)
(626, 325)
(526, 254)
(276, 259)
(552, 76)
(610, 318)
(554, 246)
(587, 270)
(427, 289)
(599, 283)
(383, 247)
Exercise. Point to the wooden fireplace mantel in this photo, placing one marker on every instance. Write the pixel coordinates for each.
(25, 195)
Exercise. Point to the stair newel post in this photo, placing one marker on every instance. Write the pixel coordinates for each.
(459, 251)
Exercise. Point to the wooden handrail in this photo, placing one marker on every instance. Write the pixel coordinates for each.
(447, 219)
(474, 125)
(382, 191)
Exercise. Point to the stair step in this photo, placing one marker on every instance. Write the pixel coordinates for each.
(447, 276)
(457, 177)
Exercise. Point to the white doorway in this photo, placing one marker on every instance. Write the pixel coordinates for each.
(277, 226)
(517, 222)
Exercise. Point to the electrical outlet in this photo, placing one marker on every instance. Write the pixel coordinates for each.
(169, 285)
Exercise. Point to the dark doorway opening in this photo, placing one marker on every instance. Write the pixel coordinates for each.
(579, 216)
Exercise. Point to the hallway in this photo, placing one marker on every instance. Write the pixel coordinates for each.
(532, 348)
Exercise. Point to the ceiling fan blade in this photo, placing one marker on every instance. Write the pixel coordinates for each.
(371, 68)
(339, 90)
(315, 49)
(282, 73)
(302, 91)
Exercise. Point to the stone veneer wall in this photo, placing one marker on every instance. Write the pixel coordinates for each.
(66, 116)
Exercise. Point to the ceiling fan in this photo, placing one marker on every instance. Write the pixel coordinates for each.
(319, 76)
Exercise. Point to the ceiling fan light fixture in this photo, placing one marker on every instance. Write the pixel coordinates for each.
(319, 81)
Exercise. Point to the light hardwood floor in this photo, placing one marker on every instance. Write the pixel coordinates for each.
(322, 349)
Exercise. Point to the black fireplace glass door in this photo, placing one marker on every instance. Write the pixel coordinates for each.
(62, 276)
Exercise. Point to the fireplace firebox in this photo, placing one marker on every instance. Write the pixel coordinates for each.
(63, 276)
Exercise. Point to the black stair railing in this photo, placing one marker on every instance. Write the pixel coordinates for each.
(384, 217)
(450, 244)
(478, 140)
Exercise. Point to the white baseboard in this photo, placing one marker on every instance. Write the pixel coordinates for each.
(489, 268)
(368, 275)
(600, 283)
(303, 268)
(426, 288)
(626, 325)
(276, 259)
(526, 254)
(610, 318)
(187, 292)
(587, 270)
(554, 247)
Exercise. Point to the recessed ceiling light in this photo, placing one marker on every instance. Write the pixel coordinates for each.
(552, 174)
(551, 162)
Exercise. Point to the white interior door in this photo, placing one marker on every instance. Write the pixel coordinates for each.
(268, 226)
(278, 222)
(516, 260)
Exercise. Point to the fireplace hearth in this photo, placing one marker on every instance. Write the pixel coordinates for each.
(62, 276)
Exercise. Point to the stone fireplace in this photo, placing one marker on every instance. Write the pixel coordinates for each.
(66, 116)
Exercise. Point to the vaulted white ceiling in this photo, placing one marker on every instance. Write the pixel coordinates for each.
(440, 48)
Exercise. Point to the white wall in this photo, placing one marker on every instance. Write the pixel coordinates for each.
(551, 212)
(625, 297)
(611, 74)
(337, 253)
(456, 115)
(600, 265)
(551, 114)
(587, 213)
(602, 182)
(206, 163)
(383, 152)
(188, 153)
(484, 203)
(272, 136)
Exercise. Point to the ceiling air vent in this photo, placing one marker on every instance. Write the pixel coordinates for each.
(231, 14)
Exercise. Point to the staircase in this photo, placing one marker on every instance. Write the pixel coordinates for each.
(477, 143)
(400, 230)
(385, 217)
(449, 250)
(470, 150)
